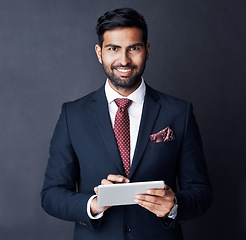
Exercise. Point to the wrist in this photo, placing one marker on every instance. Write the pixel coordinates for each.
(92, 210)
(174, 210)
(93, 207)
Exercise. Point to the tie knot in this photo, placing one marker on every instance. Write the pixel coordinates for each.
(123, 103)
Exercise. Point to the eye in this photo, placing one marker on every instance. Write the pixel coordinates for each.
(113, 49)
(134, 48)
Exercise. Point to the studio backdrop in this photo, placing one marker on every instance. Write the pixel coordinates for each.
(47, 57)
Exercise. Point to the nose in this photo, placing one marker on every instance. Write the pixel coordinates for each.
(124, 58)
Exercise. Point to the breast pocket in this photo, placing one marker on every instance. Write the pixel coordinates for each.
(164, 150)
(167, 145)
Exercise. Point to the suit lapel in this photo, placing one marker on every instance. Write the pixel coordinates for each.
(149, 116)
(102, 119)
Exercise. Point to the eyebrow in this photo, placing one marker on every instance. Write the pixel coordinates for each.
(136, 45)
(112, 45)
(130, 46)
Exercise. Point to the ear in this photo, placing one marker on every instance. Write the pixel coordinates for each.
(147, 50)
(99, 53)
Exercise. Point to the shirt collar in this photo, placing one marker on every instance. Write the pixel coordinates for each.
(137, 96)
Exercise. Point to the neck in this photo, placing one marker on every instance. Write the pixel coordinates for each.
(124, 92)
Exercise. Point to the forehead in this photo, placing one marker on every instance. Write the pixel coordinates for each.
(123, 36)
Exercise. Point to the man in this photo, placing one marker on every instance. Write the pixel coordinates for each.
(160, 140)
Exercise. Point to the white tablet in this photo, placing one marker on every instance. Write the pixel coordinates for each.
(124, 193)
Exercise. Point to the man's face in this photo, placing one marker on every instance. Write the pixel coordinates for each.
(123, 56)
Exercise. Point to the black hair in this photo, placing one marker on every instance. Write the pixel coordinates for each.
(121, 18)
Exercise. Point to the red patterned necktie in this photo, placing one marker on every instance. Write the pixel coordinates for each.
(122, 131)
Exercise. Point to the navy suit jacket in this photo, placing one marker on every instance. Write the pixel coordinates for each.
(84, 151)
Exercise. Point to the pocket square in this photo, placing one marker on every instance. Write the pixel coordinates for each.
(164, 135)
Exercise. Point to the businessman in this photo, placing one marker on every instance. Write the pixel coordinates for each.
(126, 132)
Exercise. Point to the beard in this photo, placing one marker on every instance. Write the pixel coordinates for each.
(124, 82)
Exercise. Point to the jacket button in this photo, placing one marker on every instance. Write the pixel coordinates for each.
(127, 229)
(84, 224)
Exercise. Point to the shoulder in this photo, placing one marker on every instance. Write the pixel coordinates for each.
(85, 101)
(167, 101)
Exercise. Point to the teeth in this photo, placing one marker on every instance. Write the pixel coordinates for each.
(124, 70)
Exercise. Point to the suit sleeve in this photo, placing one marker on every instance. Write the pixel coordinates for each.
(195, 195)
(59, 197)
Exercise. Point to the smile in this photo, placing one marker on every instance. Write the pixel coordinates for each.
(123, 70)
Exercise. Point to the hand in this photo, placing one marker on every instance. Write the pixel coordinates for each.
(111, 179)
(157, 201)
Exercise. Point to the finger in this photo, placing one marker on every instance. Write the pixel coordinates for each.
(106, 182)
(167, 192)
(160, 214)
(117, 178)
(156, 192)
(96, 190)
(149, 206)
(149, 198)
(166, 187)
(158, 209)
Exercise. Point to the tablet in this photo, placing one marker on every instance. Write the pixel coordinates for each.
(124, 193)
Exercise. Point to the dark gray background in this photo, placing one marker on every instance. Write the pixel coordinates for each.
(198, 53)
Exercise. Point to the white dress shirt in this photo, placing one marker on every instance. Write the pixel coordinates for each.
(134, 111)
(135, 114)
